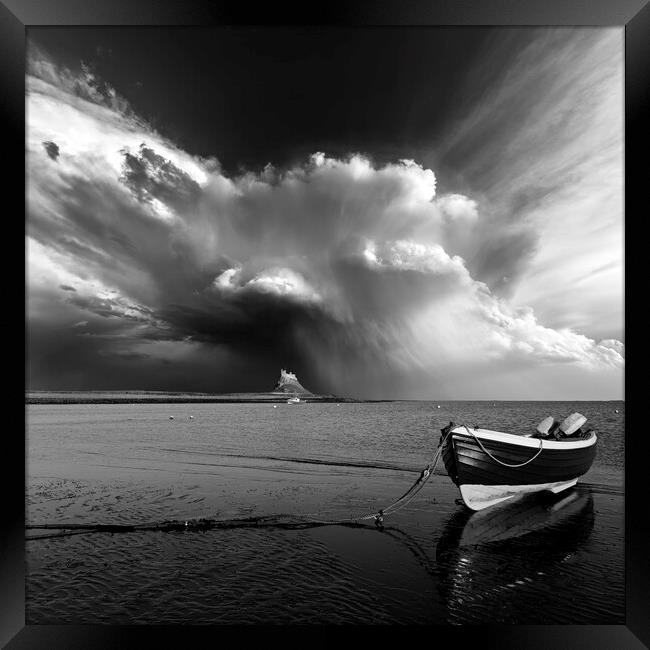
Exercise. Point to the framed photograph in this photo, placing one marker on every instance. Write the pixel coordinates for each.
(325, 321)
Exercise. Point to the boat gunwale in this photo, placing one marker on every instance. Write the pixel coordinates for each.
(524, 441)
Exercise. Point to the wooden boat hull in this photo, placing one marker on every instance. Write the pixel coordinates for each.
(484, 481)
(478, 497)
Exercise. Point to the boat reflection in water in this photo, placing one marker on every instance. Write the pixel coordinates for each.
(509, 563)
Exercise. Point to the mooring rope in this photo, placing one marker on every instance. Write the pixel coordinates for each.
(496, 460)
(278, 521)
(407, 497)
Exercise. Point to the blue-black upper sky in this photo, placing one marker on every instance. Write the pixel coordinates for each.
(414, 212)
(259, 95)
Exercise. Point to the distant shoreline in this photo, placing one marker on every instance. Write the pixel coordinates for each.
(163, 397)
(170, 397)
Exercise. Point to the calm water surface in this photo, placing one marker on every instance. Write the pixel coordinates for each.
(434, 562)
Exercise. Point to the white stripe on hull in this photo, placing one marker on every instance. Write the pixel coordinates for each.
(523, 441)
(478, 497)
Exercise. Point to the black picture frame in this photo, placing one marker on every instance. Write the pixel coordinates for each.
(632, 15)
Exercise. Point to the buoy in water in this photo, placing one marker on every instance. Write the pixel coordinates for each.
(438, 405)
(171, 417)
(275, 406)
(191, 417)
(616, 411)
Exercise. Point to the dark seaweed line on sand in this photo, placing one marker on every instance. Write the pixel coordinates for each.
(281, 522)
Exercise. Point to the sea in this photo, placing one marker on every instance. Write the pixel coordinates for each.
(544, 559)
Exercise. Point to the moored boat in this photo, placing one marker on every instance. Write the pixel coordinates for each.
(295, 400)
(490, 467)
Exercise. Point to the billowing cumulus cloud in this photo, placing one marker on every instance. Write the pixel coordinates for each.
(151, 268)
(544, 151)
(282, 282)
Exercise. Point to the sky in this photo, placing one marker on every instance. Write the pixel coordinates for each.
(421, 213)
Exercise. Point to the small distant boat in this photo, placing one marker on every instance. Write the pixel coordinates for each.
(492, 466)
(295, 400)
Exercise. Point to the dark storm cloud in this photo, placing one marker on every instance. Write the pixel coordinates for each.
(149, 175)
(252, 324)
(357, 274)
(80, 362)
(52, 149)
(129, 356)
(108, 308)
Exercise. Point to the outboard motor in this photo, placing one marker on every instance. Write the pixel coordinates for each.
(572, 424)
(544, 427)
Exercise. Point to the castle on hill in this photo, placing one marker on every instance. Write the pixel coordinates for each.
(288, 383)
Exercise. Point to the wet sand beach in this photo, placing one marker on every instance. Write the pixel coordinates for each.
(544, 559)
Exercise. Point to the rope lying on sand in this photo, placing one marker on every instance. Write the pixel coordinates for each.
(286, 522)
(281, 521)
